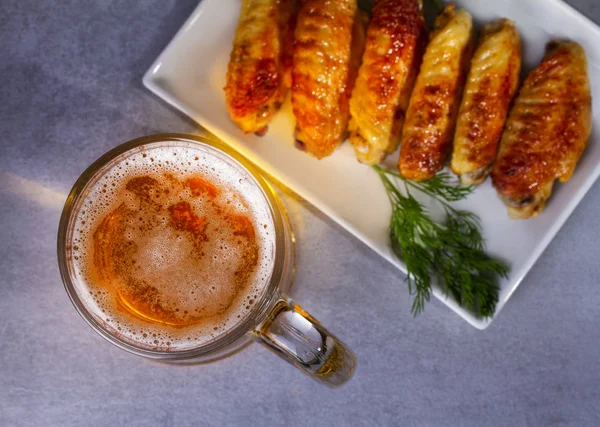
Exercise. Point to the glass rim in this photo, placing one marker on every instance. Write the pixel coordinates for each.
(260, 311)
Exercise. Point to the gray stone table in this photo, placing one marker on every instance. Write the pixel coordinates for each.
(70, 90)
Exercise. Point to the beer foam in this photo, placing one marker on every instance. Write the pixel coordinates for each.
(191, 246)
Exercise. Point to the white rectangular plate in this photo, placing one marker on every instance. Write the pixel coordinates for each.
(190, 75)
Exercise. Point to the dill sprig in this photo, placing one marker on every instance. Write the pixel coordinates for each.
(451, 252)
(439, 186)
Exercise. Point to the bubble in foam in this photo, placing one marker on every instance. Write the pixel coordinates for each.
(237, 194)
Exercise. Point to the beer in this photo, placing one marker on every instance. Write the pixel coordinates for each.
(172, 246)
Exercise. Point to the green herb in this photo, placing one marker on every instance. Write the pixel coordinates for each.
(451, 252)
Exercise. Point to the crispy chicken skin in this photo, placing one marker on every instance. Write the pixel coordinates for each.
(329, 43)
(547, 130)
(259, 72)
(491, 85)
(431, 115)
(396, 39)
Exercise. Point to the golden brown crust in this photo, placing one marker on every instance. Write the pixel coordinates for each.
(327, 53)
(396, 39)
(547, 130)
(258, 74)
(431, 114)
(491, 86)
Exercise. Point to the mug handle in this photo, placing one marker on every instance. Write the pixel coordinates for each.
(300, 339)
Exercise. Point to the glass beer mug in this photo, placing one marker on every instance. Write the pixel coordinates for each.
(128, 306)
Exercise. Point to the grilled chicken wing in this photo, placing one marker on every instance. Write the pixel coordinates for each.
(329, 44)
(491, 86)
(431, 115)
(396, 39)
(259, 72)
(547, 130)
